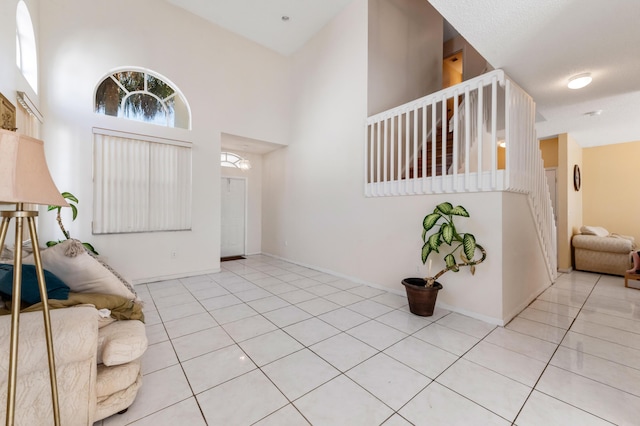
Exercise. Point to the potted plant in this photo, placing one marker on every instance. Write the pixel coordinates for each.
(72, 200)
(422, 292)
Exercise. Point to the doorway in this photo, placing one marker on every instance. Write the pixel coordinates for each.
(233, 196)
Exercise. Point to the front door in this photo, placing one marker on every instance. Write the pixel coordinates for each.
(233, 210)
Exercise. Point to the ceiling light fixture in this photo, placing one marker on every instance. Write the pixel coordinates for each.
(579, 81)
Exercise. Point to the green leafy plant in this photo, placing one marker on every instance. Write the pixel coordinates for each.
(72, 200)
(463, 245)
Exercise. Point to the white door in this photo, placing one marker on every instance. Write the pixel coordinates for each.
(232, 206)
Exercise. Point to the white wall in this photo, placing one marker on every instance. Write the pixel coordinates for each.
(405, 52)
(232, 85)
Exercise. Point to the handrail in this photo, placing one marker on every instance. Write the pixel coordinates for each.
(406, 151)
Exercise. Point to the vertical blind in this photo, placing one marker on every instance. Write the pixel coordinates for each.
(141, 183)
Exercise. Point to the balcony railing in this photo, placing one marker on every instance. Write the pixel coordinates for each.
(476, 136)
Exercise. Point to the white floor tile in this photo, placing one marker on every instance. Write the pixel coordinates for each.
(343, 319)
(556, 308)
(521, 343)
(493, 391)
(439, 406)
(286, 316)
(343, 351)
(270, 347)
(171, 313)
(268, 304)
(370, 309)
(610, 373)
(201, 342)
(607, 350)
(322, 290)
(511, 364)
(299, 373)
(390, 299)
(297, 296)
(209, 370)
(311, 331)
(378, 335)
(537, 329)
(541, 409)
(366, 291)
(467, 325)
(403, 321)
(344, 298)
(607, 333)
(161, 389)
(248, 327)
(446, 338)
(286, 416)
(158, 357)
(423, 357)
(156, 334)
(184, 412)
(548, 318)
(232, 313)
(241, 401)
(318, 306)
(396, 420)
(389, 380)
(610, 320)
(342, 403)
(249, 295)
(219, 302)
(596, 398)
(192, 324)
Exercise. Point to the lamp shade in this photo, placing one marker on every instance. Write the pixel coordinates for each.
(24, 175)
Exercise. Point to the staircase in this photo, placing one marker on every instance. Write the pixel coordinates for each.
(440, 166)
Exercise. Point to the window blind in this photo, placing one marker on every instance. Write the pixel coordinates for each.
(141, 184)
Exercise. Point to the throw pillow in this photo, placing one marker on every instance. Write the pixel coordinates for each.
(82, 272)
(594, 230)
(29, 290)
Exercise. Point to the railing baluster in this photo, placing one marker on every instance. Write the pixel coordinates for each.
(434, 137)
(467, 135)
(385, 159)
(479, 142)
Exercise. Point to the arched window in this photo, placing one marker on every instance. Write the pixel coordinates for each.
(143, 96)
(26, 54)
(229, 159)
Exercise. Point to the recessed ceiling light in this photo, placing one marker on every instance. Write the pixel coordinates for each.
(593, 113)
(579, 81)
(285, 18)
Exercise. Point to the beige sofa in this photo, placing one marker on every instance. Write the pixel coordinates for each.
(88, 389)
(98, 350)
(602, 252)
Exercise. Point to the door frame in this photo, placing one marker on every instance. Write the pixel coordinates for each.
(246, 210)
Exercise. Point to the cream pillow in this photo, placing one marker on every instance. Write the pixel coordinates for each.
(82, 272)
(594, 230)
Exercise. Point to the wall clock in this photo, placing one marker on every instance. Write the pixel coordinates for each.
(576, 177)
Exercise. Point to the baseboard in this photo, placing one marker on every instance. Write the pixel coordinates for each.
(173, 276)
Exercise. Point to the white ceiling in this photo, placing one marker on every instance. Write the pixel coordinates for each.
(539, 44)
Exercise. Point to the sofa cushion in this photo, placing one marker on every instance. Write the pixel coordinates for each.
(116, 378)
(594, 230)
(121, 342)
(82, 272)
(29, 290)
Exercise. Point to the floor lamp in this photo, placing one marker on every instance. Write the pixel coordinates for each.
(25, 179)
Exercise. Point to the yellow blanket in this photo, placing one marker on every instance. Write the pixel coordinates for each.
(121, 308)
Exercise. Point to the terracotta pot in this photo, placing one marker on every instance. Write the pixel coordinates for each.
(422, 299)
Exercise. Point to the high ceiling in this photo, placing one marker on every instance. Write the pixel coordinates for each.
(539, 44)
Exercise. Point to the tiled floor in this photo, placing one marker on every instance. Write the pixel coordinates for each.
(268, 342)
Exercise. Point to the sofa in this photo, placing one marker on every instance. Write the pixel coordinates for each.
(597, 250)
(99, 339)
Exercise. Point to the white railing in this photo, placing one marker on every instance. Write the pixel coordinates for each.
(406, 150)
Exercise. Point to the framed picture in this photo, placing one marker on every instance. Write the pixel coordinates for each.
(7, 114)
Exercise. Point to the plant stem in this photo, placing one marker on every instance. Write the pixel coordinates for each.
(64, 231)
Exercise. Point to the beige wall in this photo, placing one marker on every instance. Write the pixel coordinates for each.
(609, 182)
(549, 148)
(405, 52)
(569, 200)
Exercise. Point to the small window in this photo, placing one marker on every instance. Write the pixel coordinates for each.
(26, 54)
(142, 96)
(229, 159)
